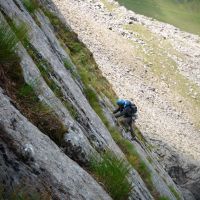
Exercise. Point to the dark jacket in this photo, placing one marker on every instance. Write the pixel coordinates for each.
(125, 112)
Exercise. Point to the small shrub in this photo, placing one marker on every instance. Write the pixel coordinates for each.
(9, 37)
(112, 172)
(72, 110)
(21, 30)
(68, 65)
(31, 5)
(134, 159)
(8, 42)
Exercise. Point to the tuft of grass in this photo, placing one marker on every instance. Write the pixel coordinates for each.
(10, 35)
(31, 5)
(134, 159)
(8, 43)
(112, 173)
(68, 66)
(172, 189)
(21, 30)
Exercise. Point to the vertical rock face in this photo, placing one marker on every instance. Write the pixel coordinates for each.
(29, 159)
(49, 165)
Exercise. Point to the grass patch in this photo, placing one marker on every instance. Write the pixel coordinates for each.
(112, 172)
(172, 189)
(8, 43)
(110, 6)
(31, 5)
(135, 160)
(10, 35)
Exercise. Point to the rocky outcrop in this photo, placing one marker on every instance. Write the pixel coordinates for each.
(50, 166)
(75, 144)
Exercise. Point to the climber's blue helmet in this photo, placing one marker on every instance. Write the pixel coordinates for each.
(120, 102)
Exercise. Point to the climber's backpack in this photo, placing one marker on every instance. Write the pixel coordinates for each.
(132, 106)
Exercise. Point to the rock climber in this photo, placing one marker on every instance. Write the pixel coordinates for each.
(127, 110)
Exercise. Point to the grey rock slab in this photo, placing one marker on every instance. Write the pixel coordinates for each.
(187, 194)
(160, 179)
(77, 147)
(139, 192)
(48, 30)
(107, 108)
(76, 182)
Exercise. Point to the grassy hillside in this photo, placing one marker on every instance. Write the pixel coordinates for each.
(184, 14)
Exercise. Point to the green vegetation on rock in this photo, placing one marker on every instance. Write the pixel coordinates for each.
(172, 189)
(134, 159)
(112, 173)
(31, 5)
(8, 42)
